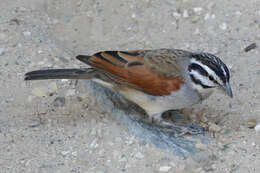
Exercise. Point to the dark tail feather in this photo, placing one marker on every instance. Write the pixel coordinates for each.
(84, 58)
(86, 73)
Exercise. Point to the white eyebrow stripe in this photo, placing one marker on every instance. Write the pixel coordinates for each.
(203, 79)
(210, 71)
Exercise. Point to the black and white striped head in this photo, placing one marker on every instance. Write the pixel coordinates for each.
(208, 71)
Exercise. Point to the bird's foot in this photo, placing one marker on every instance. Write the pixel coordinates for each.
(176, 127)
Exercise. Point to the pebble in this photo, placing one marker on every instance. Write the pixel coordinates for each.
(250, 47)
(27, 33)
(64, 153)
(78, 3)
(176, 15)
(2, 51)
(64, 80)
(139, 155)
(185, 14)
(74, 153)
(40, 51)
(214, 128)
(197, 10)
(197, 31)
(59, 102)
(35, 124)
(164, 168)
(251, 123)
(223, 26)
(207, 16)
(257, 128)
(39, 92)
(41, 63)
(70, 93)
(238, 13)
(94, 144)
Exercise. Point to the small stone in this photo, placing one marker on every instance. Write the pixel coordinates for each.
(204, 119)
(223, 26)
(78, 3)
(185, 14)
(64, 80)
(41, 63)
(251, 123)
(74, 153)
(35, 124)
(79, 99)
(59, 102)
(197, 31)
(64, 153)
(94, 144)
(27, 33)
(177, 15)
(195, 19)
(214, 127)
(257, 128)
(164, 168)
(250, 47)
(139, 155)
(2, 51)
(197, 10)
(238, 13)
(207, 16)
(70, 93)
(40, 92)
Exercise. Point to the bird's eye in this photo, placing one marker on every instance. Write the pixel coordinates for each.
(211, 78)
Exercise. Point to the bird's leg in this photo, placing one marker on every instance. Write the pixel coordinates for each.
(176, 128)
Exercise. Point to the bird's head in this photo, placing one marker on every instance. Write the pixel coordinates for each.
(207, 72)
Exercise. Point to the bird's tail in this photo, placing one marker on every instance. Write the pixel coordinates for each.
(86, 73)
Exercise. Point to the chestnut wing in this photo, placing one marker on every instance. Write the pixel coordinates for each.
(152, 71)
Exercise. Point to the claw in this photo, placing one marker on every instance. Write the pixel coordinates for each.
(177, 128)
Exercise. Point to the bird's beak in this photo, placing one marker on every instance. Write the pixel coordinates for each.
(228, 90)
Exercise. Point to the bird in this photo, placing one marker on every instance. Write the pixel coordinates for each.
(157, 80)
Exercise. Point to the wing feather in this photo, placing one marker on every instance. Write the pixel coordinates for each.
(152, 71)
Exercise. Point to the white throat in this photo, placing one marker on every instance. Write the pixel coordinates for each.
(205, 93)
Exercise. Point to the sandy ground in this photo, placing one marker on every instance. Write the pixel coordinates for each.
(50, 126)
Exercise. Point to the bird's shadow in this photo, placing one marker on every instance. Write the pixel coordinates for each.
(125, 112)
